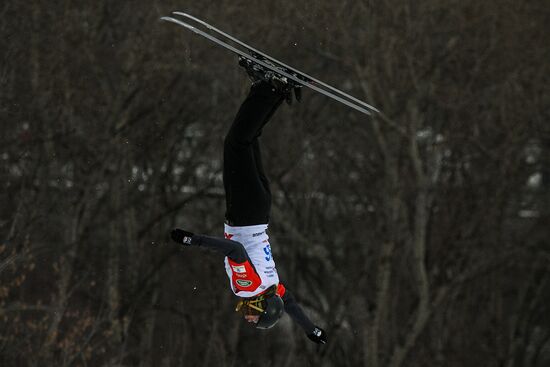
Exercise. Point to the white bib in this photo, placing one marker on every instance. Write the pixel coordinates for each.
(255, 241)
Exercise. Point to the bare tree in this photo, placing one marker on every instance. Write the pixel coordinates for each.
(417, 236)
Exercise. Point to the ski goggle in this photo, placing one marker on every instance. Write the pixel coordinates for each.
(256, 304)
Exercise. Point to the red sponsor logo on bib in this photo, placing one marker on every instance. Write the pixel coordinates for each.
(244, 276)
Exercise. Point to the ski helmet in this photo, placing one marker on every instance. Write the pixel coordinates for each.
(272, 312)
(268, 306)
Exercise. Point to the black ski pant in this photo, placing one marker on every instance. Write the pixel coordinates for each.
(247, 193)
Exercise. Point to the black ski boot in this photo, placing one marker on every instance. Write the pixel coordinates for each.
(257, 72)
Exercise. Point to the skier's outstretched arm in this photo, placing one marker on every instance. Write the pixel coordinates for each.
(293, 309)
(232, 249)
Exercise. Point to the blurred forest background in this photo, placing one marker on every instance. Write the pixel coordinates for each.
(416, 239)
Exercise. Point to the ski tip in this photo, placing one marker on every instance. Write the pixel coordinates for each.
(183, 14)
(181, 23)
(172, 20)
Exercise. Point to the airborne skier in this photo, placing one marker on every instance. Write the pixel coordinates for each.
(248, 259)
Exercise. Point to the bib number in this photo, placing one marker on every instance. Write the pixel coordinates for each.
(267, 251)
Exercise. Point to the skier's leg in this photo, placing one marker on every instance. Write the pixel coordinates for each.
(248, 199)
(259, 165)
(258, 107)
(257, 151)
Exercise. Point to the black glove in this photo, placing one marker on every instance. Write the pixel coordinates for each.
(181, 237)
(318, 336)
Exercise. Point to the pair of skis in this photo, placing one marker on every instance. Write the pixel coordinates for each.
(242, 49)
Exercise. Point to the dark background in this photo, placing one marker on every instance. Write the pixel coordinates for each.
(417, 238)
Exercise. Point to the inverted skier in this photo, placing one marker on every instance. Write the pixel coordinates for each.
(248, 259)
